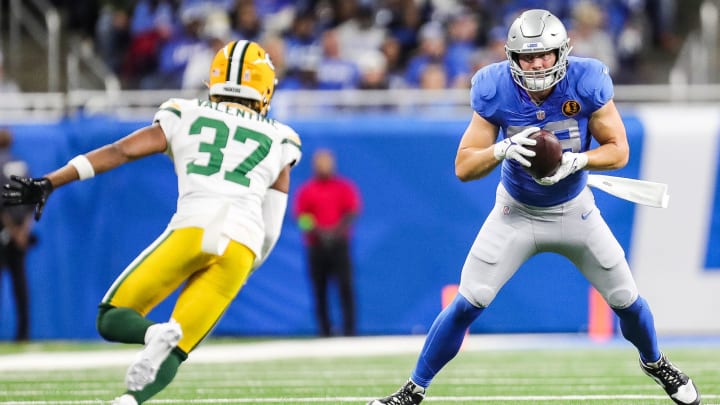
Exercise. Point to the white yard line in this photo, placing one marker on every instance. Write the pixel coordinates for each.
(296, 348)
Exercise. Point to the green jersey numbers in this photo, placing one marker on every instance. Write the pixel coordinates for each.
(238, 175)
(215, 150)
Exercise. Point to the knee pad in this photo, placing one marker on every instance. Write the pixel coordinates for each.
(621, 298)
(480, 296)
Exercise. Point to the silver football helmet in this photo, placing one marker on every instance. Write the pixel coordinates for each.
(537, 31)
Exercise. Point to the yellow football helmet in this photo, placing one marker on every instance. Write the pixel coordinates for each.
(243, 69)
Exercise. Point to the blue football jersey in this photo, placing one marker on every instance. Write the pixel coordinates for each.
(586, 87)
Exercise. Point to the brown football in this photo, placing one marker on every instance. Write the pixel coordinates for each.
(548, 154)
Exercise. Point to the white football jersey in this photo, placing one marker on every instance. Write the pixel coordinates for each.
(226, 158)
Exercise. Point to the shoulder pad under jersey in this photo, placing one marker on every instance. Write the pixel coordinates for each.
(484, 88)
(169, 116)
(291, 145)
(172, 105)
(592, 81)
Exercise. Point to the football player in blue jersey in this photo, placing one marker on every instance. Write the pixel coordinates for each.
(541, 86)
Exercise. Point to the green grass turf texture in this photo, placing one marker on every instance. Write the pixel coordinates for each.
(602, 376)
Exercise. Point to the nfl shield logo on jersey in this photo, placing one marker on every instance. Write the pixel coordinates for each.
(540, 114)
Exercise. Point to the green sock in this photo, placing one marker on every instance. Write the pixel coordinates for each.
(122, 325)
(165, 375)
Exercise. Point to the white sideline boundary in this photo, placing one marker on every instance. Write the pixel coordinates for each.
(222, 352)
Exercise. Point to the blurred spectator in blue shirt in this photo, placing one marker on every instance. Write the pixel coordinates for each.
(176, 51)
(334, 72)
(148, 14)
(302, 45)
(493, 51)
(267, 8)
(407, 18)
(462, 34)
(588, 36)
(395, 64)
(152, 24)
(360, 35)
(215, 34)
(226, 5)
(432, 49)
(303, 76)
(112, 32)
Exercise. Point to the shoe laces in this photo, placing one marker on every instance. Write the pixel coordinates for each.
(404, 396)
(670, 375)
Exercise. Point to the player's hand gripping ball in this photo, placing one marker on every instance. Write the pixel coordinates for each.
(548, 154)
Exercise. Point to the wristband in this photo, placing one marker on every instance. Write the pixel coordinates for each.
(83, 166)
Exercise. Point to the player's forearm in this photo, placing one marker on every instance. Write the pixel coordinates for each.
(109, 157)
(63, 175)
(608, 129)
(474, 163)
(100, 160)
(609, 156)
(143, 142)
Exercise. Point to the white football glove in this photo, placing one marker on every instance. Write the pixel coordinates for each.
(571, 162)
(514, 147)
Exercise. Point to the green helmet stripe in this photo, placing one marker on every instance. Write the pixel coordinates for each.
(242, 60)
(230, 58)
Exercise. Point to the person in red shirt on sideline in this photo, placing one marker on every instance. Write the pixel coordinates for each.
(325, 207)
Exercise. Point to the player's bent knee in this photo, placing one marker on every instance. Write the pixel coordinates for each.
(621, 298)
(101, 325)
(480, 297)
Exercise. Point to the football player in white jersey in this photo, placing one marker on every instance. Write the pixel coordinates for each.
(541, 86)
(233, 167)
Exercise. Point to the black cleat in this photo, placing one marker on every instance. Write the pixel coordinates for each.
(676, 384)
(408, 394)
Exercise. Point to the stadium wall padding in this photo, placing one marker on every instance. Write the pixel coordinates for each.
(411, 239)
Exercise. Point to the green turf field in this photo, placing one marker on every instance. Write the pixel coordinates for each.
(578, 375)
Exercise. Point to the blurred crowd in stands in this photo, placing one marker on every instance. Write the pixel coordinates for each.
(363, 44)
